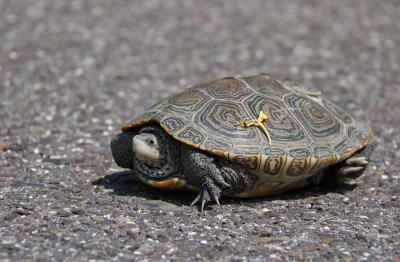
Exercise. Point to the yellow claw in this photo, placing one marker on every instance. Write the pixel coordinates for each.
(258, 123)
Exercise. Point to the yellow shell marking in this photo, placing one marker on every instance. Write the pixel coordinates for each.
(257, 123)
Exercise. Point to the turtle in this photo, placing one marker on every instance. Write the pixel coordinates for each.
(243, 137)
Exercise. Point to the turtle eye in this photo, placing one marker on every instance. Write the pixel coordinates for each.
(151, 142)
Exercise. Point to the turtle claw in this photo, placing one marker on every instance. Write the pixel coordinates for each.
(209, 191)
(216, 200)
(350, 170)
(357, 161)
(223, 183)
(203, 198)
(203, 202)
(195, 200)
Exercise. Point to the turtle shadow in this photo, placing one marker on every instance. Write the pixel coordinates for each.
(126, 183)
(312, 191)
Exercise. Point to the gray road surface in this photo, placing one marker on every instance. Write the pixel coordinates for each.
(72, 72)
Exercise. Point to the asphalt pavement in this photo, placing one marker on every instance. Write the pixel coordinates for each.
(73, 72)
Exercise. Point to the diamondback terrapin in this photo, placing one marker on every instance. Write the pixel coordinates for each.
(245, 137)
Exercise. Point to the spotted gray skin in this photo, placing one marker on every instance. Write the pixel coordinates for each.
(311, 137)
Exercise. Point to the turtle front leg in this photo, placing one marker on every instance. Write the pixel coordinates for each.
(200, 170)
(213, 175)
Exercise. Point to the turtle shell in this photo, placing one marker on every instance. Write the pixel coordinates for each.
(307, 132)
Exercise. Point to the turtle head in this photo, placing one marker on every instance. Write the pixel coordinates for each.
(150, 151)
(147, 149)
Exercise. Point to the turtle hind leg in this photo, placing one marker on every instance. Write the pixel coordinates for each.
(345, 173)
(354, 166)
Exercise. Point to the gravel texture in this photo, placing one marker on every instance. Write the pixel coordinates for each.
(72, 72)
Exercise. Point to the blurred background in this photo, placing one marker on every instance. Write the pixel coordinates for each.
(72, 72)
(93, 65)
